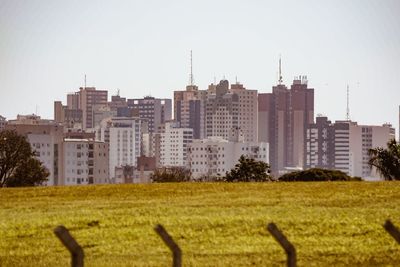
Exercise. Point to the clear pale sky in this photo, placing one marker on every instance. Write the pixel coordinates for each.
(142, 48)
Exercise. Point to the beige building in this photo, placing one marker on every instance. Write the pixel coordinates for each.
(88, 98)
(84, 161)
(215, 111)
(248, 111)
(139, 174)
(46, 138)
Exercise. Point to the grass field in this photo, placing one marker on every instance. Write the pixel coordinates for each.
(214, 224)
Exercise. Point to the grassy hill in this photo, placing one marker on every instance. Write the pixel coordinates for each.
(215, 224)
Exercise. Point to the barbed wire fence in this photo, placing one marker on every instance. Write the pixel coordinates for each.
(77, 253)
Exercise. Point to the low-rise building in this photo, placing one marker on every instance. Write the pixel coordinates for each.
(46, 138)
(215, 156)
(84, 161)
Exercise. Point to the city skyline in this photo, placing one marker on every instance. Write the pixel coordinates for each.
(143, 49)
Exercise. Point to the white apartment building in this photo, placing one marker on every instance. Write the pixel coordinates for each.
(363, 138)
(215, 156)
(172, 143)
(344, 146)
(124, 138)
(84, 162)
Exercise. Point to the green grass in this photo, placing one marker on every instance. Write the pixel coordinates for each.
(214, 224)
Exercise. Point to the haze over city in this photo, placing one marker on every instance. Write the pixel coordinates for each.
(142, 48)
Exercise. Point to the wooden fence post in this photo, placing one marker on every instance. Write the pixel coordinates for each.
(287, 246)
(392, 230)
(176, 251)
(70, 243)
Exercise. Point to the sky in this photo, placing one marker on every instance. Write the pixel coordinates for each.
(143, 48)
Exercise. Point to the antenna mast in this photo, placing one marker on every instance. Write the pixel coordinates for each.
(348, 107)
(280, 71)
(85, 80)
(191, 69)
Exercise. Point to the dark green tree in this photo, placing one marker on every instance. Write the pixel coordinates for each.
(249, 170)
(18, 165)
(171, 175)
(386, 160)
(314, 175)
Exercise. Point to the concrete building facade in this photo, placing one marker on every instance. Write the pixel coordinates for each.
(84, 161)
(156, 111)
(171, 144)
(214, 156)
(189, 109)
(124, 138)
(222, 111)
(45, 137)
(344, 146)
(284, 116)
(88, 98)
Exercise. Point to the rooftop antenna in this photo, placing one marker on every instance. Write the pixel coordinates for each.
(118, 92)
(348, 108)
(236, 79)
(280, 71)
(191, 69)
(85, 80)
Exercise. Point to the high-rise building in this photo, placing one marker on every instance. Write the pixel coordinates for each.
(284, 116)
(344, 145)
(88, 98)
(189, 109)
(73, 101)
(213, 112)
(45, 137)
(156, 111)
(80, 108)
(222, 111)
(124, 138)
(171, 144)
(248, 111)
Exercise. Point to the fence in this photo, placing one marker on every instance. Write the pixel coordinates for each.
(77, 253)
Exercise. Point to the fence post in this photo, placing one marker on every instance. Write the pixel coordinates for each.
(287, 246)
(70, 243)
(176, 251)
(392, 230)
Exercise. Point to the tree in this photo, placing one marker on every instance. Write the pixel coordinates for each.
(18, 165)
(127, 171)
(386, 160)
(316, 174)
(249, 170)
(170, 175)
